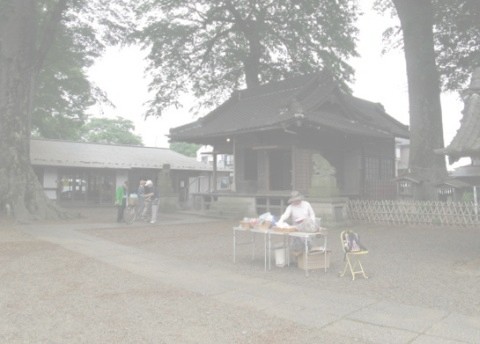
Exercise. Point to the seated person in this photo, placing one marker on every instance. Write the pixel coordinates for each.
(303, 218)
(300, 212)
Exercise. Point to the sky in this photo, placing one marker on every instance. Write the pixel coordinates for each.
(379, 78)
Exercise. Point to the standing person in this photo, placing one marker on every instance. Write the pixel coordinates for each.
(121, 200)
(141, 196)
(148, 198)
(155, 202)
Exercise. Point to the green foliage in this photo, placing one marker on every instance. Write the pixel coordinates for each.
(457, 39)
(188, 149)
(110, 131)
(468, 197)
(34, 36)
(213, 47)
(456, 34)
(57, 127)
(63, 91)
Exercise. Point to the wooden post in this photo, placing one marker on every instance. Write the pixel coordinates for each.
(214, 172)
(293, 174)
(234, 179)
(475, 202)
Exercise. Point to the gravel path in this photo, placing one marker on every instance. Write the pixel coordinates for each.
(426, 266)
(49, 294)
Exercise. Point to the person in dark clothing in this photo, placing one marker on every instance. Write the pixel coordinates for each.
(141, 196)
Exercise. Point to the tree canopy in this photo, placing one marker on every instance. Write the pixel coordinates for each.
(188, 149)
(456, 33)
(208, 47)
(213, 47)
(111, 131)
(63, 91)
(30, 31)
(457, 40)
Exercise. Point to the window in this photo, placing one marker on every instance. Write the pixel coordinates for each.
(405, 188)
(378, 169)
(280, 170)
(372, 168)
(387, 169)
(86, 186)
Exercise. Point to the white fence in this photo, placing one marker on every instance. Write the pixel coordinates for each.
(414, 212)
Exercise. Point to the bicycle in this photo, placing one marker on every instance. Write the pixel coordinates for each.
(132, 210)
(130, 214)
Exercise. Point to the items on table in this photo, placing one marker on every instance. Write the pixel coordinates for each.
(264, 221)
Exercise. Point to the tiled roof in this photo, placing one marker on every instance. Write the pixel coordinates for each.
(76, 154)
(454, 182)
(412, 177)
(277, 104)
(466, 142)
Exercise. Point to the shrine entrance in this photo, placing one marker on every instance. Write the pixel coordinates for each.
(280, 167)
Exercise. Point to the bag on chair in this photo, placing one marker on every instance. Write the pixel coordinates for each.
(352, 242)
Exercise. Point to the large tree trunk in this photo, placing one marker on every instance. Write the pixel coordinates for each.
(252, 61)
(426, 130)
(19, 186)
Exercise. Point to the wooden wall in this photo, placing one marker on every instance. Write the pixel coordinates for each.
(345, 153)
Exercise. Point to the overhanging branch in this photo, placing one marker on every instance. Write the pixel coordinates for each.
(47, 35)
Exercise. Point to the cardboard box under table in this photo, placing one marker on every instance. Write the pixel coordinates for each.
(317, 259)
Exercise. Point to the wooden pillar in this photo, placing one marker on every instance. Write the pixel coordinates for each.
(234, 179)
(214, 176)
(294, 166)
(475, 201)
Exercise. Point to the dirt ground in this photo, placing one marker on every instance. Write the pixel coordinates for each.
(49, 294)
(426, 266)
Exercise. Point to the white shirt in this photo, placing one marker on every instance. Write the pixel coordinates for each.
(298, 212)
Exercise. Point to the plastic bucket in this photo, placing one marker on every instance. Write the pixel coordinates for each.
(280, 257)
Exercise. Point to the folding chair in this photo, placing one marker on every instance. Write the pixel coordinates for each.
(353, 252)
